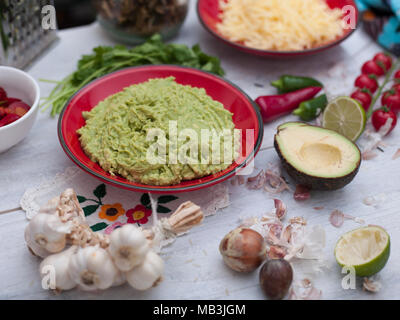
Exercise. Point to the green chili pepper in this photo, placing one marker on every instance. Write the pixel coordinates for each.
(309, 110)
(288, 83)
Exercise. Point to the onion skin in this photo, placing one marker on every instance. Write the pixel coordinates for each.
(243, 249)
(276, 277)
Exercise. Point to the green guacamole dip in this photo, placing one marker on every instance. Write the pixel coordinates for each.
(116, 133)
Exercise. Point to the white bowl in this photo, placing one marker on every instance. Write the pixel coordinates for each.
(18, 84)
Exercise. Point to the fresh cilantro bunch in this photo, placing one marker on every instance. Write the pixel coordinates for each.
(105, 59)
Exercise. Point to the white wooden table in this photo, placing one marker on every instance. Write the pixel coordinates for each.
(194, 268)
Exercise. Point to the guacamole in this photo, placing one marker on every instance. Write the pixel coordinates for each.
(116, 133)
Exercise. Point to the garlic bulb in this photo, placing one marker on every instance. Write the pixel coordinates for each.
(148, 274)
(119, 280)
(128, 247)
(92, 268)
(58, 263)
(45, 233)
(51, 206)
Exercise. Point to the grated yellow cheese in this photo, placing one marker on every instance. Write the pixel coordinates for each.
(284, 25)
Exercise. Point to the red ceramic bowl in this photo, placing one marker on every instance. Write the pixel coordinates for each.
(245, 116)
(208, 12)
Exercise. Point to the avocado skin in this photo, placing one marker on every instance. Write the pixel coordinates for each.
(315, 183)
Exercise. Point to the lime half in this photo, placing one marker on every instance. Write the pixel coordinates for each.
(366, 249)
(346, 116)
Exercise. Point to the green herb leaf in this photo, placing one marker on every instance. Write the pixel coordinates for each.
(106, 59)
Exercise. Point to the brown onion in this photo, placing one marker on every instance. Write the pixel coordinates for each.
(243, 249)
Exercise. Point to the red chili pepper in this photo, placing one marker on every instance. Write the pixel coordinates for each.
(273, 107)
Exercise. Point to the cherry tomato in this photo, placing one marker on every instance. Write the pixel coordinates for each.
(383, 60)
(3, 94)
(371, 67)
(380, 116)
(391, 100)
(364, 97)
(366, 82)
(396, 88)
(397, 74)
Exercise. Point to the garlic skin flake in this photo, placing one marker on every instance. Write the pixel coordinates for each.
(92, 268)
(46, 234)
(59, 264)
(128, 247)
(148, 274)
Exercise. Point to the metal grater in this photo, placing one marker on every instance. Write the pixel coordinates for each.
(22, 37)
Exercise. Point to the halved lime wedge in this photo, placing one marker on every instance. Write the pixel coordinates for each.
(346, 116)
(366, 249)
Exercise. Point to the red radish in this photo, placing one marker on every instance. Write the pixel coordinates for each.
(381, 116)
(364, 97)
(9, 118)
(367, 82)
(397, 74)
(19, 108)
(383, 60)
(391, 100)
(371, 67)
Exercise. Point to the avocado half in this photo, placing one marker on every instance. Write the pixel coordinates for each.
(318, 158)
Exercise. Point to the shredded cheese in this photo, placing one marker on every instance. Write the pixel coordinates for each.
(284, 25)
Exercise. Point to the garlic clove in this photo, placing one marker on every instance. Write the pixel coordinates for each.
(46, 232)
(148, 274)
(280, 209)
(185, 217)
(58, 263)
(33, 247)
(128, 247)
(92, 268)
